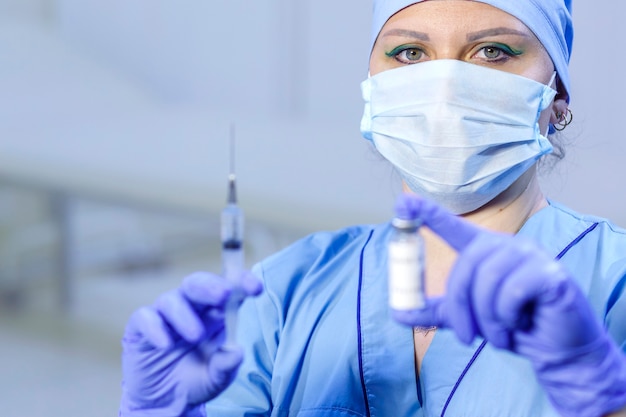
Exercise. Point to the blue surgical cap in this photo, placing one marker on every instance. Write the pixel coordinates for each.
(549, 20)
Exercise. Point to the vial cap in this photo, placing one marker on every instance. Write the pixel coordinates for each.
(401, 223)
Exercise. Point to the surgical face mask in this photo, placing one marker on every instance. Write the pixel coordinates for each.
(458, 133)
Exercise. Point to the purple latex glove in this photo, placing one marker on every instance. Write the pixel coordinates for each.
(172, 358)
(507, 290)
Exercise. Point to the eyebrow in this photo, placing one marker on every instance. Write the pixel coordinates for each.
(407, 33)
(493, 32)
(470, 36)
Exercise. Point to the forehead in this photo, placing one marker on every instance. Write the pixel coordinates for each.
(443, 16)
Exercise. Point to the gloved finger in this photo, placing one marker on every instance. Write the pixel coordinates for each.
(537, 282)
(432, 315)
(544, 303)
(180, 316)
(205, 289)
(507, 257)
(251, 284)
(407, 206)
(213, 341)
(223, 368)
(452, 228)
(213, 320)
(147, 323)
(460, 307)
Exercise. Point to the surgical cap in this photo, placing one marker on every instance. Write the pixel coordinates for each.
(549, 20)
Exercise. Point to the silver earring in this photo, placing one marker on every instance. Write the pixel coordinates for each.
(564, 120)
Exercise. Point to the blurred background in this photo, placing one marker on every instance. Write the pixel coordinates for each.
(114, 154)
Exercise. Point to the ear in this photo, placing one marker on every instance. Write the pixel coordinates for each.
(560, 104)
(559, 109)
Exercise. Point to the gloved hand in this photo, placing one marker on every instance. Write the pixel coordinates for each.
(507, 290)
(172, 357)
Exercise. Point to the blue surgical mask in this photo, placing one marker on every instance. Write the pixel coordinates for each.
(458, 133)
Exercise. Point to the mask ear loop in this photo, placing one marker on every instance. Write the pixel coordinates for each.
(550, 128)
(552, 80)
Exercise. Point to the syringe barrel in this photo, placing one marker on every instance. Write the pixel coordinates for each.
(232, 226)
(233, 267)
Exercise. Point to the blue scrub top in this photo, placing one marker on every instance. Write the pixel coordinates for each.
(320, 342)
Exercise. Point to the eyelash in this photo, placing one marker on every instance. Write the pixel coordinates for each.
(395, 53)
(505, 53)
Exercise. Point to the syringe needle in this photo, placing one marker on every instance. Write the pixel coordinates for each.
(232, 151)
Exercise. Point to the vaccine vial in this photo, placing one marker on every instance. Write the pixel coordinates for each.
(406, 265)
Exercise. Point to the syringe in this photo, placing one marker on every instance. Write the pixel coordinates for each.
(233, 263)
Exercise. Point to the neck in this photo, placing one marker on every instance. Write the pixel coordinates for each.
(509, 211)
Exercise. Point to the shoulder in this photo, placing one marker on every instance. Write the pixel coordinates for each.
(600, 230)
(558, 224)
(321, 264)
(317, 249)
(593, 247)
(598, 250)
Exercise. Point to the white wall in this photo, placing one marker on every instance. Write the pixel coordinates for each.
(267, 58)
(592, 175)
(28, 9)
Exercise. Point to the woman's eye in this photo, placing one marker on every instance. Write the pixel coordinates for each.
(498, 53)
(491, 52)
(409, 55)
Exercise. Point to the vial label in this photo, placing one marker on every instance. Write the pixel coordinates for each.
(406, 290)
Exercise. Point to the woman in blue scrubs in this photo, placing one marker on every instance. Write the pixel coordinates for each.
(526, 311)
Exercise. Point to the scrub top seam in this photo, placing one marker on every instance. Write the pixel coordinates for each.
(576, 241)
(458, 382)
(358, 323)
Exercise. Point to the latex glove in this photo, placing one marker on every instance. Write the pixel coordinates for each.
(507, 290)
(172, 358)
